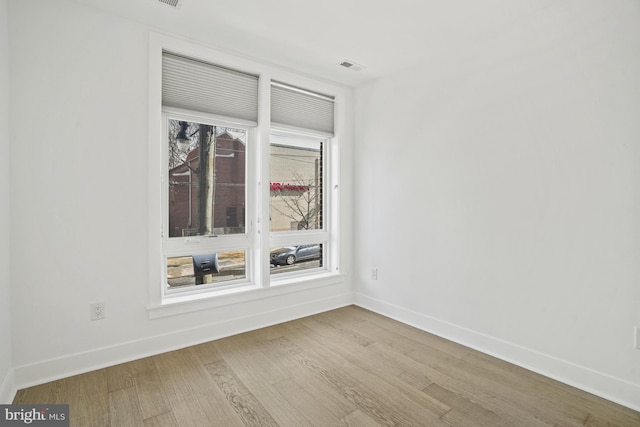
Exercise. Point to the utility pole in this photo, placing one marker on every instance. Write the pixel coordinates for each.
(211, 180)
(203, 173)
(206, 186)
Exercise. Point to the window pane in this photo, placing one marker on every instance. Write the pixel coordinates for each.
(296, 184)
(296, 258)
(206, 179)
(204, 269)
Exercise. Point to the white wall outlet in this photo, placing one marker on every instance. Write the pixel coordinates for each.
(97, 311)
(374, 274)
(636, 338)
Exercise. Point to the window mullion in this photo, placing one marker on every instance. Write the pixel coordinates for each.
(261, 252)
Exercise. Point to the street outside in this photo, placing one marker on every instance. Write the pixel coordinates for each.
(231, 266)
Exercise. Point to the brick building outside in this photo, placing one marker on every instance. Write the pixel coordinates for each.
(226, 189)
(296, 198)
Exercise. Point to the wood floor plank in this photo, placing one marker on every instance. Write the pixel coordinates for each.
(44, 393)
(342, 384)
(415, 334)
(541, 390)
(421, 375)
(373, 396)
(190, 393)
(89, 401)
(124, 408)
(440, 367)
(581, 402)
(398, 393)
(188, 412)
(598, 420)
(316, 387)
(366, 352)
(359, 419)
(515, 393)
(248, 408)
(330, 328)
(255, 363)
(166, 419)
(543, 393)
(397, 344)
(346, 367)
(151, 395)
(464, 412)
(356, 353)
(258, 374)
(312, 409)
(124, 375)
(348, 315)
(206, 352)
(403, 390)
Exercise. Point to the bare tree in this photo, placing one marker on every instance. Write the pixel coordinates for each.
(300, 201)
(176, 155)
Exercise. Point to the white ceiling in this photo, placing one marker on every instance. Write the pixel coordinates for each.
(314, 36)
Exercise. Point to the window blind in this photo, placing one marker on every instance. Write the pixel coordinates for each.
(200, 86)
(297, 107)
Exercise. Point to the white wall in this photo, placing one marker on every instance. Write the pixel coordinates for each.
(498, 194)
(506, 216)
(6, 377)
(79, 94)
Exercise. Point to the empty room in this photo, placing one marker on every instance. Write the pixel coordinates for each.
(350, 213)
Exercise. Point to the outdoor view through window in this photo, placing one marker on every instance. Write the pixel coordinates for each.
(206, 197)
(296, 200)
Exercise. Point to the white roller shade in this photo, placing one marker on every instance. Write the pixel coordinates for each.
(300, 108)
(200, 86)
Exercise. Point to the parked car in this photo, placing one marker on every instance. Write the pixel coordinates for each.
(292, 254)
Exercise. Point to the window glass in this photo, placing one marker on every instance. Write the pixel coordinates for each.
(296, 258)
(296, 184)
(206, 179)
(205, 269)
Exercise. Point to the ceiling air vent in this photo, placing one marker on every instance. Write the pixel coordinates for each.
(351, 65)
(172, 3)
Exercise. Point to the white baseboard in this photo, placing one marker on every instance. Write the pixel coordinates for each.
(73, 364)
(7, 388)
(598, 383)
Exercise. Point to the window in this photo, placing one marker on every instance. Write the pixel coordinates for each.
(298, 153)
(244, 204)
(297, 202)
(206, 184)
(232, 217)
(208, 114)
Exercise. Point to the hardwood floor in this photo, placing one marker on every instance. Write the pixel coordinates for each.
(346, 367)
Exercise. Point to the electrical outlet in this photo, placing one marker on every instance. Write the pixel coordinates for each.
(97, 311)
(374, 274)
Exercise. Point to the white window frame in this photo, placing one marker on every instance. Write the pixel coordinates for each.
(303, 237)
(260, 283)
(199, 245)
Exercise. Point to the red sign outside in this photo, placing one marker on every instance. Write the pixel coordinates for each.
(278, 186)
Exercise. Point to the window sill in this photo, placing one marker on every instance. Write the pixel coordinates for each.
(181, 304)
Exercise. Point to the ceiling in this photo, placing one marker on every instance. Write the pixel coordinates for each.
(313, 37)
